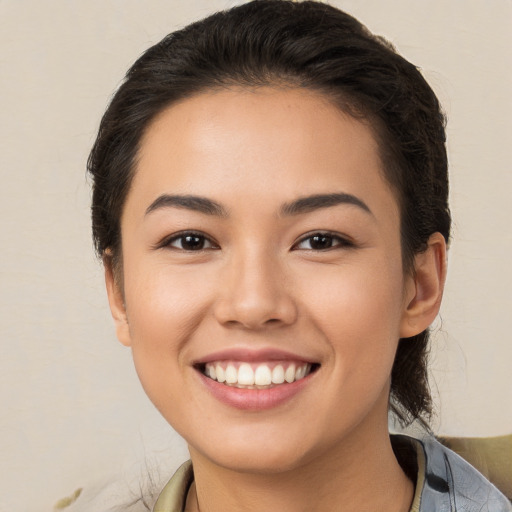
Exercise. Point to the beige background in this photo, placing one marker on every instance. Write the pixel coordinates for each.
(72, 410)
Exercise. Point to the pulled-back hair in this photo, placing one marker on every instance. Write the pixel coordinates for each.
(300, 45)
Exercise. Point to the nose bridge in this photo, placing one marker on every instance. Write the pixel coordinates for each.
(254, 290)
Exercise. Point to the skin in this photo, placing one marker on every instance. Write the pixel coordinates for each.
(257, 283)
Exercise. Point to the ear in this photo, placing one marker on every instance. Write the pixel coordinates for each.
(424, 289)
(116, 302)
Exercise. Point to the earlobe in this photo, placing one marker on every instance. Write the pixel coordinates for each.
(116, 302)
(425, 288)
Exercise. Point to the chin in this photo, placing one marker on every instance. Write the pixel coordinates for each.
(258, 451)
(259, 460)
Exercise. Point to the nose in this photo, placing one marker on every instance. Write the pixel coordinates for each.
(254, 293)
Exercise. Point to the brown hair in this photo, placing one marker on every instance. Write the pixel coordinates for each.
(301, 44)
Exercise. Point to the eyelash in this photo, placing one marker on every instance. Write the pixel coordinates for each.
(167, 243)
(341, 242)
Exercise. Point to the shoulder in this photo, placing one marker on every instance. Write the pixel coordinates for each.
(120, 496)
(114, 494)
(108, 497)
(451, 484)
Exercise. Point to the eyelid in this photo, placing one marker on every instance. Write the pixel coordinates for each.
(343, 241)
(166, 242)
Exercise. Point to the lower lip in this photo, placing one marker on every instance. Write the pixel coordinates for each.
(254, 399)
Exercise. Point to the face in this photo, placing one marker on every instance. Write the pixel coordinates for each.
(264, 294)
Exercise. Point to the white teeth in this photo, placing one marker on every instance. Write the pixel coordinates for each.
(278, 375)
(254, 375)
(289, 374)
(246, 375)
(262, 376)
(221, 374)
(231, 374)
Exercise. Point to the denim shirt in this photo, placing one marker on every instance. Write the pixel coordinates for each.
(450, 484)
(445, 483)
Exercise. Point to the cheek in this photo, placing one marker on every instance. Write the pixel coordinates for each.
(164, 309)
(359, 310)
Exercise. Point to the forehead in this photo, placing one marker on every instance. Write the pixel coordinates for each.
(273, 142)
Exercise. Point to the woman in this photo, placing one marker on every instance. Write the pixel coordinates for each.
(270, 204)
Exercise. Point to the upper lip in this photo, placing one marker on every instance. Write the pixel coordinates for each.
(253, 355)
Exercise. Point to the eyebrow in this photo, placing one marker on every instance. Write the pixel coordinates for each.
(188, 202)
(299, 206)
(318, 201)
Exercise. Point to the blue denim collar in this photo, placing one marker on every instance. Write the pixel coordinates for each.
(449, 483)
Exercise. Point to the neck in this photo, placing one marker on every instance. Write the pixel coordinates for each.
(362, 473)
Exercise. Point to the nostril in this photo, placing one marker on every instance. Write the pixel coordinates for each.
(254, 302)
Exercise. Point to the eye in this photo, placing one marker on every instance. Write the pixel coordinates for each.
(189, 241)
(322, 242)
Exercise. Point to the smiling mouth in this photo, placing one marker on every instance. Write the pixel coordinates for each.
(245, 375)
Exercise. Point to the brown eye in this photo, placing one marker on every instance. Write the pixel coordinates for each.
(190, 242)
(322, 242)
(319, 242)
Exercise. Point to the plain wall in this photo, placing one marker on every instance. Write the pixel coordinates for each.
(72, 408)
